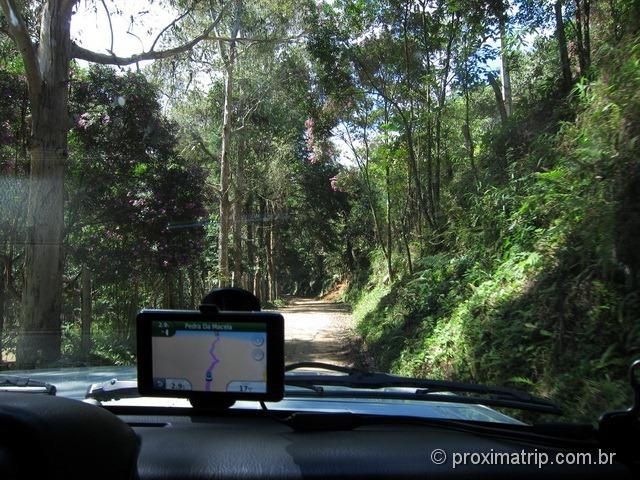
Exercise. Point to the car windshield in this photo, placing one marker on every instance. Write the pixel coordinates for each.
(442, 190)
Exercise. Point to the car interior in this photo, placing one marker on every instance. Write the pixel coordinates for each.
(42, 435)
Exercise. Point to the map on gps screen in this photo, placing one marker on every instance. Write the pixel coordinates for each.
(209, 357)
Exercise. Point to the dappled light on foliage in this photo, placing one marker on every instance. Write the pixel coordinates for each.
(465, 174)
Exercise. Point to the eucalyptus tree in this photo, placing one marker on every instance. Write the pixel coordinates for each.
(228, 55)
(47, 64)
(263, 28)
(562, 44)
(256, 32)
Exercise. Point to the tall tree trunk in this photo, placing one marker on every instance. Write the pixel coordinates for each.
(251, 261)
(405, 227)
(134, 306)
(271, 254)
(408, 253)
(40, 338)
(425, 206)
(466, 132)
(435, 194)
(46, 68)
(583, 36)
(348, 258)
(168, 291)
(468, 141)
(505, 74)
(495, 85)
(586, 8)
(85, 313)
(442, 97)
(238, 206)
(259, 280)
(225, 204)
(387, 178)
(180, 296)
(257, 283)
(430, 142)
(376, 221)
(363, 161)
(562, 46)
(429, 127)
(204, 285)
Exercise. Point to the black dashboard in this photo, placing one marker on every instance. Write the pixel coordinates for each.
(262, 448)
(49, 437)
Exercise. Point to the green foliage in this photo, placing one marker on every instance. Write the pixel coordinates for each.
(538, 287)
(478, 245)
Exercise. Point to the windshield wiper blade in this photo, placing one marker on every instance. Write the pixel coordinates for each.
(425, 389)
(369, 385)
(12, 383)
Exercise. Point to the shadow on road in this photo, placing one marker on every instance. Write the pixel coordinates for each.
(327, 351)
(317, 330)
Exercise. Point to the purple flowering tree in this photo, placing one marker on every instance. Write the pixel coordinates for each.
(135, 208)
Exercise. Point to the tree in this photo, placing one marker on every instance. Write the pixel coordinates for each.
(583, 34)
(47, 66)
(361, 125)
(562, 45)
(134, 205)
(505, 73)
(229, 60)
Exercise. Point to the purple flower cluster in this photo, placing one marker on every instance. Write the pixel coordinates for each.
(84, 121)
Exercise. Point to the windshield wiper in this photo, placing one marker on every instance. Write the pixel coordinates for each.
(12, 383)
(372, 385)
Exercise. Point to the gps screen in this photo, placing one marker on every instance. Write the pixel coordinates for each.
(209, 356)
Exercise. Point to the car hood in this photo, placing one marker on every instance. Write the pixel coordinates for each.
(74, 382)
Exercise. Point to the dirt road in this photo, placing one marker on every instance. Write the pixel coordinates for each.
(316, 330)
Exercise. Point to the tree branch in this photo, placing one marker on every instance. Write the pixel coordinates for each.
(175, 20)
(67, 282)
(17, 29)
(111, 59)
(246, 115)
(106, 9)
(380, 91)
(254, 39)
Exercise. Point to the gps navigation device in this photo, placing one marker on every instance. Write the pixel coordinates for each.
(211, 355)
